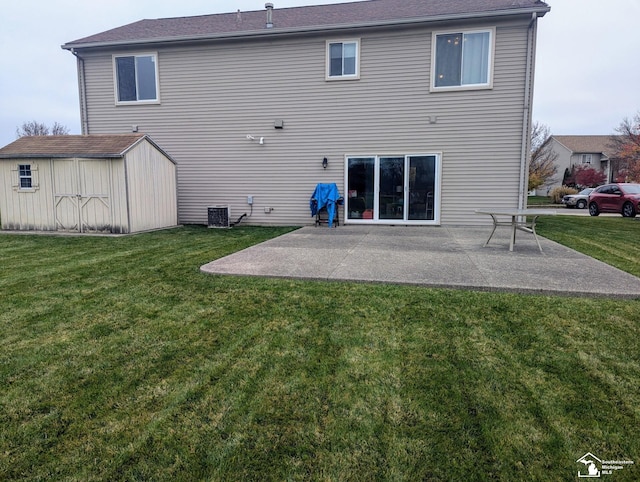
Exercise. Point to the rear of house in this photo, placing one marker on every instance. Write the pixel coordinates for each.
(418, 111)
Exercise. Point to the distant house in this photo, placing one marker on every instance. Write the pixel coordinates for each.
(114, 184)
(419, 111)
(597, 152)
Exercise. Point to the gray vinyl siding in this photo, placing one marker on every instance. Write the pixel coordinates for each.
(562, 162)
(213, 95)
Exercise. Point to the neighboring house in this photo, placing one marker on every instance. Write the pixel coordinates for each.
(98, 184)
(419, 111)
(597, 152)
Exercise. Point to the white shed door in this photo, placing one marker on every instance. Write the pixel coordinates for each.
(82, 195)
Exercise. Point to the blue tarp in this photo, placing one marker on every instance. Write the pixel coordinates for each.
(325, 196)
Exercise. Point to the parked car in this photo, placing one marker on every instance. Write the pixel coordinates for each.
(623, 198)
(579, 200)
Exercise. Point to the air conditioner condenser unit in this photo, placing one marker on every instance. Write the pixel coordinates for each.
(219, 216)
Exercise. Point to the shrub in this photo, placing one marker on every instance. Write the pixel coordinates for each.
(557, 193)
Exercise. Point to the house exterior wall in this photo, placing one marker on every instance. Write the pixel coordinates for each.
(151, 189)
(563, 162)
(567, 159)
(213, 95)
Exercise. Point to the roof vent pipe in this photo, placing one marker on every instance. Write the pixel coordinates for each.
(269, 7)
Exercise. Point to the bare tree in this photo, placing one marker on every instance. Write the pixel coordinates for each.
(542, 166)
(627, 148)
(34, 128)
(59, 130)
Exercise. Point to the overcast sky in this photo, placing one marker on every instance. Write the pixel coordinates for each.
(587, 71)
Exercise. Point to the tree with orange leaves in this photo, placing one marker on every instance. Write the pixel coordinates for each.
(627, 146)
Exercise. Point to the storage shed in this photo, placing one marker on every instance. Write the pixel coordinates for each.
(87, 184)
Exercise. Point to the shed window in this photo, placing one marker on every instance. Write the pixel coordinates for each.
(136, 78)
(463, 59)
(25, 179)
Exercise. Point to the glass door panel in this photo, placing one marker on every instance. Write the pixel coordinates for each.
(422, 184)
(391, 194)
(393, 189)
(360, 187)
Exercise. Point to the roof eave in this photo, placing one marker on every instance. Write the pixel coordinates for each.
(150, 141)
(61, 156)
(275, 32)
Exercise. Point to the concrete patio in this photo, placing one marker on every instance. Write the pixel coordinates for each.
(447, 257)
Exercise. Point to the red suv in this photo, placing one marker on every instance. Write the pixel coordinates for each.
(621, 198)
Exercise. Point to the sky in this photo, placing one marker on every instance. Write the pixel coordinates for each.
(587, 59)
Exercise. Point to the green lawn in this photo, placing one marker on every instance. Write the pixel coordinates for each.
(119, 360)
(614, 240)
(533, 201)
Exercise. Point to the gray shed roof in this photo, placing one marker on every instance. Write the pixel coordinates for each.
(91, 146)
(304, 19)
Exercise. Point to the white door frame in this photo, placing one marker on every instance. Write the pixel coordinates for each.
(376, 194)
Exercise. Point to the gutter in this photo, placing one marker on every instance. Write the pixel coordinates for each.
(62, 156)
(82, 87)
(274, 33)
(526, 114)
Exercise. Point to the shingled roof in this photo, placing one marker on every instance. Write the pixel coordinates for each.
(588, 144)
(305, 19)
(92, 146)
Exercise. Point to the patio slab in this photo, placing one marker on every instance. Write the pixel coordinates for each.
(446, 257)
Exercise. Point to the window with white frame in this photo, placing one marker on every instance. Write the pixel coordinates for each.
(463, 59)
(343, 59)
(136, 78)
(25, 177)
(586, 158)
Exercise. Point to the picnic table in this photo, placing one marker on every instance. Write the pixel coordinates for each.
(518, 221)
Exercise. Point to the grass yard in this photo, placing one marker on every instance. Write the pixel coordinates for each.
(614, 240)
(119, 360)
(534, 201)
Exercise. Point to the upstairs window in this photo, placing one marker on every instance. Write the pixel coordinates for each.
(24, 176)
(136, 78)
(586, 158)
(462, 60)
(343, 59)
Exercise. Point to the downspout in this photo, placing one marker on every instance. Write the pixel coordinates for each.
(526, 115)
(84, 116)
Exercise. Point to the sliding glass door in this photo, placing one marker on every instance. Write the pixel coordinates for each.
(393, 189)
(422, 187)
(391, 192)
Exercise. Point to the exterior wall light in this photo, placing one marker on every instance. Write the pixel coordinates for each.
(325, 162)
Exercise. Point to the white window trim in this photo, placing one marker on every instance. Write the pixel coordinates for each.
(586, 158)
(17, 184)
(492, 48)
(115, 78)
(355, 76)
(437, 206)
